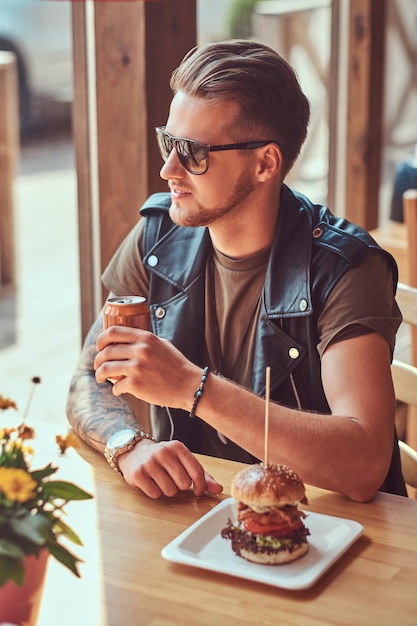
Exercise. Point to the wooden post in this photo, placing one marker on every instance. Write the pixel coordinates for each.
(136, 46)
(9, 148)
(364, 125)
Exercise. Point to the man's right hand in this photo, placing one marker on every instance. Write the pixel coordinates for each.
(165, 468)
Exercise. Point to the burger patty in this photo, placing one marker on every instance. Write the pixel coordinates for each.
(288, 515)
(268, 544)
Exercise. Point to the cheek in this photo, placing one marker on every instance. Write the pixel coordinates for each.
(218, 181)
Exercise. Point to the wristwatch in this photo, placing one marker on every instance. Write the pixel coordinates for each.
(122, 441)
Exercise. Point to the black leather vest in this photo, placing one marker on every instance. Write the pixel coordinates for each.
(311, 251)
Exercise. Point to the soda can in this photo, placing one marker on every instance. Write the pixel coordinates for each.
(127, 311)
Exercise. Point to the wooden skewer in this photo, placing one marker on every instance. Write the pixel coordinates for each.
(268, 385)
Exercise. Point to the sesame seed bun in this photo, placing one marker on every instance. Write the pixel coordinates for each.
(269, 485)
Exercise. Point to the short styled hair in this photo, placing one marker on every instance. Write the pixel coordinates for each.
(265, 87)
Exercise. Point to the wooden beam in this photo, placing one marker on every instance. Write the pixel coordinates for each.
(365, 96)
(9, 154)
(137, 45)
(333, 95)
(82, 161)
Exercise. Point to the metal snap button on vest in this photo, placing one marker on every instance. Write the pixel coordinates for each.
(303, 304)
(160, 313)
(153, 260)
(317, 232)
(293, 353)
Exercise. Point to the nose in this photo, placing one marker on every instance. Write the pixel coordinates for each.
(172, 167)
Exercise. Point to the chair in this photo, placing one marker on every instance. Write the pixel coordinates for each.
(400, 239)
(407, 301)
(409, 466)
(410, 217)
(405, 384)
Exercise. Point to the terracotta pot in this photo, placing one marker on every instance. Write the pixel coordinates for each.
(20, 605)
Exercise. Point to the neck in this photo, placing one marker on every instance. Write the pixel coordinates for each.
(250, 234)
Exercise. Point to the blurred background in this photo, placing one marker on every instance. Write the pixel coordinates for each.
(40, 325)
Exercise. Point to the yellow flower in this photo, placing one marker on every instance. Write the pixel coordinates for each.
(14, 445)
(5, 432)
(16, 484)
(70, 440)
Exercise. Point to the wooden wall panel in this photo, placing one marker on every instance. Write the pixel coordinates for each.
(9, 156)
(365, 98)
(82, 160)
(137, 45)
(121, 119)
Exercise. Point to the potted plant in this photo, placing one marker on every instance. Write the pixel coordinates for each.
(32, 506)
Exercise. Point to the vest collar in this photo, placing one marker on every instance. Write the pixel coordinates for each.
(180, 258)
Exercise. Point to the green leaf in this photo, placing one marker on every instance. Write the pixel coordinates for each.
(64, 490)
(39, 475)
(9, 549)
(65, 557)
(13, 458)
(36, 528)
(62, 528)
(11, 569)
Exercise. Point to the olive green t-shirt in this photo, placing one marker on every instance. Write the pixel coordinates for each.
(361, 302)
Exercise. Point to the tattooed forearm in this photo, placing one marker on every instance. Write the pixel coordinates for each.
(94, 413)
(92, 409)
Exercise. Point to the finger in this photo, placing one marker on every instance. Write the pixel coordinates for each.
(110, 371)
(212, 485)
(113, 352)
(182, 467)
(173, 457)
(158, 485)
(193, 468)
(162, 473)
(155, 489)
(119, 334)
(150, 488)
(114, 362)
(209, 484)
(152, 480)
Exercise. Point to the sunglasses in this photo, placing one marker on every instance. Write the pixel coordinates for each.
(193, 155)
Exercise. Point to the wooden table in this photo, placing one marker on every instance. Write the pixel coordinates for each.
(126, 581)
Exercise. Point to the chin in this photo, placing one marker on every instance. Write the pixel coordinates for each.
(180, 215)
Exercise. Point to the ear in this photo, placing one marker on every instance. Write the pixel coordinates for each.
(269, 163)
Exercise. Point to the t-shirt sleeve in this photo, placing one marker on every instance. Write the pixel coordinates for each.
(362, 302)
(126, 274)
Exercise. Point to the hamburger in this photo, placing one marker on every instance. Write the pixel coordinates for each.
(269, 528)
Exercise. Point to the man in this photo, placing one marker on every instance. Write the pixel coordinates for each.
(241, 274)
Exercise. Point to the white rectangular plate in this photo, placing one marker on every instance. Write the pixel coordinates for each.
(201, 545)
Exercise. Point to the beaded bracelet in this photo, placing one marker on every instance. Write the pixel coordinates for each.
(199, 392)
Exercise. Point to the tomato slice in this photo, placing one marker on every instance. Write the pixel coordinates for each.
(252, 526)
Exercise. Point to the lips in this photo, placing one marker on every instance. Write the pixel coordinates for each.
(177, 192)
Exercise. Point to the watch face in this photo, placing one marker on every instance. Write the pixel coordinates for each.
(121, 438)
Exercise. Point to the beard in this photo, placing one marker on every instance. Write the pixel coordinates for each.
(204, 216)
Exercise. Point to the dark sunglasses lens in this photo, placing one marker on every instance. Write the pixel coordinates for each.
(192, 155)
(165, 144)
